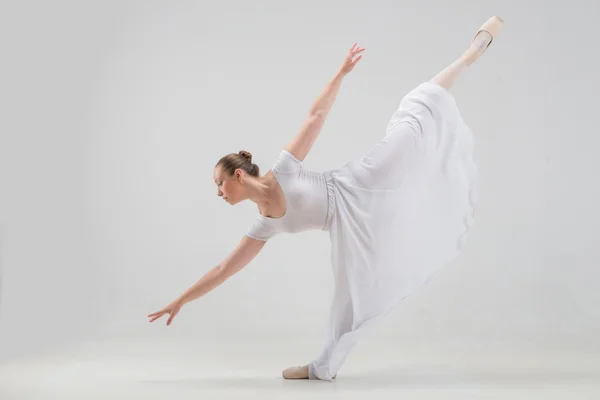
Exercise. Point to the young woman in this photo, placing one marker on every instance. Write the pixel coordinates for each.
(395, 216)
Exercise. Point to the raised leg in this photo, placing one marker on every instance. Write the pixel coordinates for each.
(483, 38)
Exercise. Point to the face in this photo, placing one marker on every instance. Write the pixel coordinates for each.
(229, 187)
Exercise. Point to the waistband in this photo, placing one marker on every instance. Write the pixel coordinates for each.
(330, 184)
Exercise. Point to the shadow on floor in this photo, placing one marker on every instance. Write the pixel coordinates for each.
(401, 377)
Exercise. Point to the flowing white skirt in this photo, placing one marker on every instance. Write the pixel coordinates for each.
(402, 213)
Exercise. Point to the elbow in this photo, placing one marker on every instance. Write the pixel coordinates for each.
(318, 113)
(225, 271)
(222, 272)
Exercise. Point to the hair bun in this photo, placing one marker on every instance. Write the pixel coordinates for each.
(246, 154)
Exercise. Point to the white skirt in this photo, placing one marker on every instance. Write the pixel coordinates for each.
(402, 213)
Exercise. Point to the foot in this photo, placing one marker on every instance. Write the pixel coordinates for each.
(296, 372)
(483, 38)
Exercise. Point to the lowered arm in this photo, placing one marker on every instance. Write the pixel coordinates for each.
(241, 256)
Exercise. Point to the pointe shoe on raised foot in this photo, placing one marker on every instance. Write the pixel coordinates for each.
(297, 373)
(491, 26)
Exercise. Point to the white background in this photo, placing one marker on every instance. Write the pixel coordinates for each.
(115, 113)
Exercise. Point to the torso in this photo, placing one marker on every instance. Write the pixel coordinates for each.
(297, 200)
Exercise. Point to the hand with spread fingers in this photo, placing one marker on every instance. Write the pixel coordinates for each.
(352, 58)
(172, 309)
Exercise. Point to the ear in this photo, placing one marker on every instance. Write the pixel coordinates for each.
(239, 175)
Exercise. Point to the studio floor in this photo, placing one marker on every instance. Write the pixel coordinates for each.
(184, 368)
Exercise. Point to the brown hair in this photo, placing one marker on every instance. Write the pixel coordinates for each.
(241, 160)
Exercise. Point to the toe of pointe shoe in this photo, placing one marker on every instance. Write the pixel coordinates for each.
(296, 372)
(492, 25)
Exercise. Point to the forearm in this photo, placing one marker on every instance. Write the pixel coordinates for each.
(323, 104)
(208, 282)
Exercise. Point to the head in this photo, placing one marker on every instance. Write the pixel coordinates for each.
(231, 173)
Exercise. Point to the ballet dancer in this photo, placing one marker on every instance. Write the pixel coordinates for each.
(395, 216)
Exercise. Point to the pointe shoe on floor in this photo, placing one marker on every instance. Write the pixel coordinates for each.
(297, 373)
(491, 26)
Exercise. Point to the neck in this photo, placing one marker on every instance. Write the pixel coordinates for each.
(258, 191)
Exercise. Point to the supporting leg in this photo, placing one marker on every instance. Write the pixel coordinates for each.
(340, 322)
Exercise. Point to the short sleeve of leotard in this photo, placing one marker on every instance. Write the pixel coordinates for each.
(287, 163)
(261, 229)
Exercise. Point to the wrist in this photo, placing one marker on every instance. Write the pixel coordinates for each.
(339, 75)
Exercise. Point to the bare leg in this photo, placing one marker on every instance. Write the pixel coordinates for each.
(448, 75)
(483, 38)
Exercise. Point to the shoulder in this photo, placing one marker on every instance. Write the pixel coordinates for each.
(287, 162)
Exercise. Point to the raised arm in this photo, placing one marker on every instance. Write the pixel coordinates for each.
(241, 256)
(302, 143)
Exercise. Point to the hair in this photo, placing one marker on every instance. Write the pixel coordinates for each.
(241, 160)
